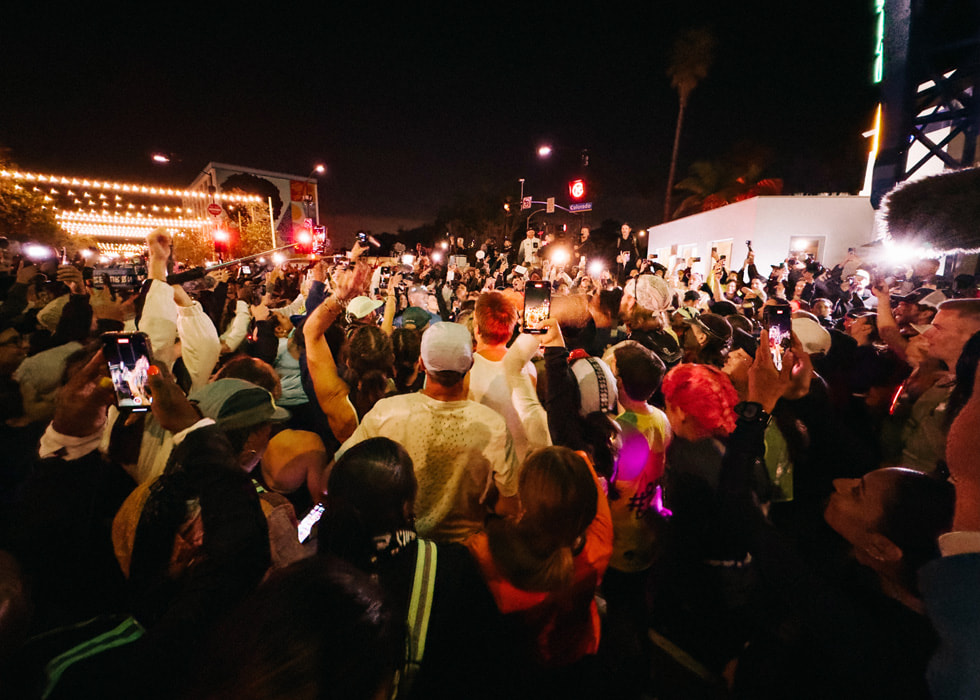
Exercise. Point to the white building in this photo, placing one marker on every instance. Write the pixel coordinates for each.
(824, 225)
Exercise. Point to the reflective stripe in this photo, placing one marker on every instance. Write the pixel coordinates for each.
(419, 610)
(128, 631)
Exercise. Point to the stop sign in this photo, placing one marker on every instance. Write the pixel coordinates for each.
(214, 209)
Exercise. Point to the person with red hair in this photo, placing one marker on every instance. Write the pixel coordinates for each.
(700, 402)
(702, 587)
(494, 320)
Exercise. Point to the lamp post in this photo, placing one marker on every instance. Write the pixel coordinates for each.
(314, 199)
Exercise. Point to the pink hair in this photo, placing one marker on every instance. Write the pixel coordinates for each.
(705, 393)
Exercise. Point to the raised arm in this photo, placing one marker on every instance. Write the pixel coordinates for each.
(331, 390)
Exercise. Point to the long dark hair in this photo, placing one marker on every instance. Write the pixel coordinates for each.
(370, 491)
(406, 343)
(370, 359)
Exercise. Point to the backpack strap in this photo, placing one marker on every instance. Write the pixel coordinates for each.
(419, 611)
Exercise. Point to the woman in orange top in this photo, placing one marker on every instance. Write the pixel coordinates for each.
(544, 566)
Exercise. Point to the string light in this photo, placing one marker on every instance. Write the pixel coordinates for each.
(130, 220)
(17, 175)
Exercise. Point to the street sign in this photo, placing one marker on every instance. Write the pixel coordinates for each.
(550, 205)
(580, 206)
(526, 203)
(214, 209)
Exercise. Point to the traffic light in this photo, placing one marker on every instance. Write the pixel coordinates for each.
(304, 241)
(576, 189)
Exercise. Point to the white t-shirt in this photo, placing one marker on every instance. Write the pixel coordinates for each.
(489, 386)
(456, 448)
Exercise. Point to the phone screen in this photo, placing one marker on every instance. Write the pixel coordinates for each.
(384, 279)
(309, 520)
(778, 321)
(246, 270)
(128, 356)
(537, 306)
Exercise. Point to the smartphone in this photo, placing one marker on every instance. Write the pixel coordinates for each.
(537, 306)
(246, 270)
(450, 275)
(520, 269)
(695, 259)
(384, 278)
(128, 357)
(305, 526)
(778, 321)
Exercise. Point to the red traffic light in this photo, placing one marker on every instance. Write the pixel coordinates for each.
(576, 189)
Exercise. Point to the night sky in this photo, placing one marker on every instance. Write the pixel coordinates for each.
(411, 105)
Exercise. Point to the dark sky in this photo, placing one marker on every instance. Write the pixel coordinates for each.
(410, 104)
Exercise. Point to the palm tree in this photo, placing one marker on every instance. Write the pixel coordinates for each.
(690, 59)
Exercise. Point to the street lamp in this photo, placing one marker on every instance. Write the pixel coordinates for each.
(313, 200)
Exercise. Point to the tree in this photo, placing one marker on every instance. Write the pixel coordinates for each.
(690, 60)
(24, 215)
(735, 177)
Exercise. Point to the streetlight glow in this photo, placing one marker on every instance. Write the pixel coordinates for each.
(544, 151)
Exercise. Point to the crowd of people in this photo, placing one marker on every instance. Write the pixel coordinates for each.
(362, 476)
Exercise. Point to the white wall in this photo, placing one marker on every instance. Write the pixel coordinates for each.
(836, 222)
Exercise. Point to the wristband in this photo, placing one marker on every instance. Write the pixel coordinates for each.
(752, 412)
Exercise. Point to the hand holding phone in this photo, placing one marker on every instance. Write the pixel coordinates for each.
(537, 306)
(128, 358)
(778, 321)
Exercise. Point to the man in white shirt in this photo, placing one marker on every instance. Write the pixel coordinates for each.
(527, 254)
(462, 451)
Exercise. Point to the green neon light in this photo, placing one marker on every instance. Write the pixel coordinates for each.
(878, 67)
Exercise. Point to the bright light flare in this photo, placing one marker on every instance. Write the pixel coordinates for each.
(596, 268)
(221, 236)
(38, 252)
(161, 158)
(560, 257)
(304, 238)
(86, 253)
(278, 258)
(320, 168)
(545, 151)
(444, 245)
(436, 257)
(408, 259)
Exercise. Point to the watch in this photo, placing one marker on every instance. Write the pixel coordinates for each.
(751, 411)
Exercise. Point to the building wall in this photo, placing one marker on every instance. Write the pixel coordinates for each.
(826, 225)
